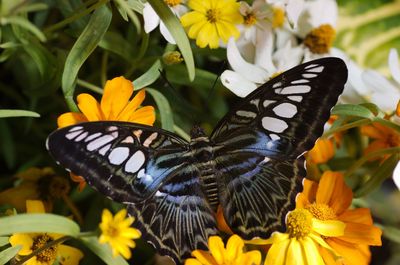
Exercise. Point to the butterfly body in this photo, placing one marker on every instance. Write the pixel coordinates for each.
(251, 165)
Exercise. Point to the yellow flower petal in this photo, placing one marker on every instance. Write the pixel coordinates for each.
(69, 255)
(34, 206)
(277, 253)
(90, 107)
(311, 253)
(144, 115)
(193, 262)
(132, 106)
(191, 18)
(328, 227)
(234, 248)
(70, 118)
(24, 240)
(203, 257)
(115, 97)
(294, 255)
(217, 249)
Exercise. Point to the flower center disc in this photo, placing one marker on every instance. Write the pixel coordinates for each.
(172, 3)
(320, 39)
(48, 254)
(321, 211)
(299, 223)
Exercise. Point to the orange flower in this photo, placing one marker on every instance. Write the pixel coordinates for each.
(383, 137)
(330, 200)
(114, 106)
(322, 151)
(398, 109)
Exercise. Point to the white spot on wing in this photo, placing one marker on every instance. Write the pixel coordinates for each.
(286, 110)
(128, 140)
(274, 137)
(309, 75)
(316, 70)
(112, 128)
(135, 162)
(296, 98)
(311, 66)
(255, 101)
(118, 155)
(247, 114)
(104, 149)
(75, 128)
(274, 124)
(72, 135)
(294, 89)
(81, 137)
(91, 137)
(299, 81)
(150, 139)
(268, 102)
(99, 142)
(276, 85)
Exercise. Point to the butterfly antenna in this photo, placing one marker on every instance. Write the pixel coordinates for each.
(210, 92)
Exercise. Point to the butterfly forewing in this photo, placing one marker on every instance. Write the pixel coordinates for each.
(259, 145)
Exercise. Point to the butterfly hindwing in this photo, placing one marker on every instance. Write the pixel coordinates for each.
(259, 145)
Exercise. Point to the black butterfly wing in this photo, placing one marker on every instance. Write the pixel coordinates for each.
(147, 168)
(259, 144)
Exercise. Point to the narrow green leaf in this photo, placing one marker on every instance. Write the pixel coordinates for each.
(26, 24)
(9, 44)
(8, 254)
(391, 233)
(388, 123)
(175, 28)
(114, 42)
(383, 172)
(103, 251)
(126, 11)
(4, 240)
(38, 223)
(353, 110)
(135, 5)
(149, 77)
(7, 113)
(83, 47)
(164, 109)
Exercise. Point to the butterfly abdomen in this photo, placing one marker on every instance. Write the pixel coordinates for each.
(203, 155)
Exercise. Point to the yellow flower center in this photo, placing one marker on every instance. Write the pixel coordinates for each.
(48, 254)
(173, 57)
(250, 19)
(321, 211)
(279, 17)
(275, 74)
(320, 39)
(299, 223)
(112, 231)
(213, 15)
(172, 3)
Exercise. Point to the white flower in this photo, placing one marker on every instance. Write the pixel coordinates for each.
(396, 175)
(293, 9)
(152, 20)
(246, 76)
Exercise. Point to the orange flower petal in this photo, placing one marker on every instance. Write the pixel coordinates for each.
(131, 107)
(89, 107)
(309, 191)
(144, 115)
(372, 132)
(375, 146)
(322, 151)
(362, 234)
(70, 118)
(115, 97)
(35, 206)
(333, 191)
(350, 254)
(327, 256)
(398, 109)
(221, 223)
(358, 216)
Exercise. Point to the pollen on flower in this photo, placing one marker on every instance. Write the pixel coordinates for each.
(275, 74)
(321, 211)
(171, 58)
(48, 254)
(250, 19)
(320, 39)
(299, 223)
(279, 17)
(172, 3)
(212, 15)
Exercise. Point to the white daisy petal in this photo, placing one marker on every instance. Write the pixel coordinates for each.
(396, 175)
(151, 19)
(237, 83)
(250, 71)
(394, 65)
(293, 10)
(264, 49)
(165, 32)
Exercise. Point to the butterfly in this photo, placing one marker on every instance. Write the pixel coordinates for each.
(252, 164)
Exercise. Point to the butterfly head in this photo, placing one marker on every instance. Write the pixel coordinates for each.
(197, 132)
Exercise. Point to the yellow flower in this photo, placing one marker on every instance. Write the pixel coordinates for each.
(212, 20)
(320, 39)
(30, 242)
(219, 255)
(299, 245)
(117, 232)
(330, 200)
(114, 106)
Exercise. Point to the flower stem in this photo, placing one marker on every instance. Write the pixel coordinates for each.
(89, 86)
(347, 126)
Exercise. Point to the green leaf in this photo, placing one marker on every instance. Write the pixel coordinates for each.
(26, 24)
(391, 233)
(126, 11)
(38, 223)
(384, 171)
(353, 110)
(4, 240)
(175, 28)
(7, 113)
(135, 5)
(83, 47)
(164, 109)
(8, 254)
(149, 77)
(103, 251)
(388, 123)
(115, 43)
